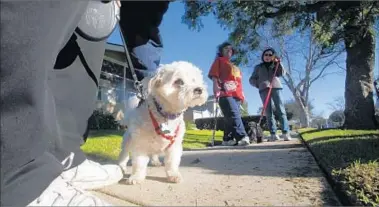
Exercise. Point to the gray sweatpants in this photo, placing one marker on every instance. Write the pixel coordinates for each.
(34, 141)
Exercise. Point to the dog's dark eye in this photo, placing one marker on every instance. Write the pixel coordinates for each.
(179, 82)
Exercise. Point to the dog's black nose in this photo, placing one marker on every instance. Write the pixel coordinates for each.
(198, 90)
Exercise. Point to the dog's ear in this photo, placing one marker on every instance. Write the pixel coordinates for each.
(155, 81)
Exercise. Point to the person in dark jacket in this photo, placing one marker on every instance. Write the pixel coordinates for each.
(49, 76)
(261, 78)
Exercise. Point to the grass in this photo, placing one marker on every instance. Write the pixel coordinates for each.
(350, 159)
(106, 144)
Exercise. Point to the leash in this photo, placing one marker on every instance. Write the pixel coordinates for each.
(376, 86)
(215, 117)
(268, 94)
(137, 84)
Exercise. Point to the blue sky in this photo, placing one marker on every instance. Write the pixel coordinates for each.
(199, 48)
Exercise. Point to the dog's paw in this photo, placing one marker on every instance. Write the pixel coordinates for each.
(175, 178)
(156, 163)
(133, 180)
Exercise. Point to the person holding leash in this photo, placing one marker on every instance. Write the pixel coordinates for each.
(43, 113)
(227, 86)
(265, 76)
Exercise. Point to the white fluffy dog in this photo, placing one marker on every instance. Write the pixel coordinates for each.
(157, 125)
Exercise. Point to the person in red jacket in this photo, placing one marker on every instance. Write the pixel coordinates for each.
(227, 85)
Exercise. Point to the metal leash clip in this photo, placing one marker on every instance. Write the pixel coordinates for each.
(138, 86)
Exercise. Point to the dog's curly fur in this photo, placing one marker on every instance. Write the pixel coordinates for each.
(175, 87)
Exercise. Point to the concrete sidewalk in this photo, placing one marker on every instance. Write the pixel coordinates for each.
(268, 174)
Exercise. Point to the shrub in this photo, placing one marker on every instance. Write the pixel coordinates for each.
(209, 123)
(190, 125)
(101, 120)
(361, 181)
(350, 160)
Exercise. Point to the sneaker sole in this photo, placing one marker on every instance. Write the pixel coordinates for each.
(244, 143)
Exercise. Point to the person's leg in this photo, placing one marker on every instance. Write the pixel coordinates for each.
(270, 118)
(79, 64)
(237, 128)
(279, 105)
(74, 92)
(32, 33)
(228, 138)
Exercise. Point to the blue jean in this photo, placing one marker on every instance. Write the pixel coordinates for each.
(275, 99)
(234, 127)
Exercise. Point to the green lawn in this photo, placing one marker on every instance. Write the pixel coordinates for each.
(106, 143)
(351, 158)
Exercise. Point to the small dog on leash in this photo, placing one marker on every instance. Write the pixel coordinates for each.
(157, 125)
(255, 132)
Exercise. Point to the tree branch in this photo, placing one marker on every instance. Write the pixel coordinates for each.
(309, 8)
(320, 74)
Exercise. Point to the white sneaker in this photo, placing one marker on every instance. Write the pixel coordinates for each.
(61, 193)
(273, 138)
(92, 175)
(287, 137)
(232, 142)
(229, 143)
(244, 141)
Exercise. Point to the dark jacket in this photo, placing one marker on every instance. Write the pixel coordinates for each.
(263, 74)
(140, 22)
(142, 19)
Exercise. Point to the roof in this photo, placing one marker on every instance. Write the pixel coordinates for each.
(114, 47)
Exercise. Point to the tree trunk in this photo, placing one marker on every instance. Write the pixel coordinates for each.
(304, 117)
(303, 110)
(359, 102)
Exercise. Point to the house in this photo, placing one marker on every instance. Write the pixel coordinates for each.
(110, 95)
(205, 111)
(111, 84)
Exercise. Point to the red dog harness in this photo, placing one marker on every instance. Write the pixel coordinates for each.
(160, 133)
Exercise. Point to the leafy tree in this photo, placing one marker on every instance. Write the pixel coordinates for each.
(318, 122)
(337, 117)
(244, 109)
(293, 107)
(332, 22)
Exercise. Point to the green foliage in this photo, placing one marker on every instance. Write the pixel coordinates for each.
(245, 111)
(350, 157)
(102, 120)
(361, 180)
(329, 20)
(292, 106)
(190, 125)
(337, 116)
(106, 144)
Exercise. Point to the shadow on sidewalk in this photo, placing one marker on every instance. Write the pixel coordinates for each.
(287, 160)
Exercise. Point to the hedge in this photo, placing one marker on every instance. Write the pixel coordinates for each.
(102, 120)
(208, 123)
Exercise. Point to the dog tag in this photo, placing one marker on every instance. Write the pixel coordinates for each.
(165, 129)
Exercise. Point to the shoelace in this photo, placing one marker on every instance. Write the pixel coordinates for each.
(58, 189)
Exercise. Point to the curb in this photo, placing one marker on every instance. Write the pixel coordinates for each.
(342, 196)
